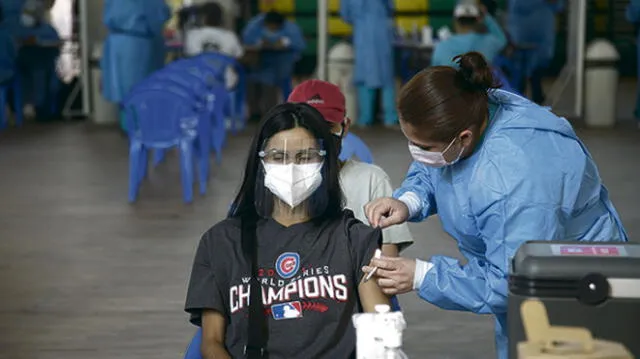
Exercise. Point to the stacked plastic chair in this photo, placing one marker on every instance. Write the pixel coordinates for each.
(195, 86)
(161, 118)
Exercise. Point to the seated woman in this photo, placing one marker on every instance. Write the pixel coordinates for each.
(288, 237)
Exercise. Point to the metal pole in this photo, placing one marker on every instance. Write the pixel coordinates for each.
(322, 39)
(581, 38)
(85, 53)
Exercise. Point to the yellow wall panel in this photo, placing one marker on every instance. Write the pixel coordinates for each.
(337, 27)
(407, 22)
(285, 6)
(334, 5)
(411, 5)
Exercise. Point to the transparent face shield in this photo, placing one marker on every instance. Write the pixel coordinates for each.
(291, 181)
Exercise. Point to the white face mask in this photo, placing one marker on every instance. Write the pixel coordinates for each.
(292, 183)
(27, 20)
(433, 159)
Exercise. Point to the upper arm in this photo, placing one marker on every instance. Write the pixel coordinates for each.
(252, 33)
(364, 241)
(496, 31)
(371, 295)
(204, 292)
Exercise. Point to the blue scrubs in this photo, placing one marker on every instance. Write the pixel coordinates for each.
(530, 178)
(532, 23)
(135, 45)
(373, 45)
(8, 55)
(12, 9)
(489, 44)
(37, 64)
(275, 67)
(633, 16)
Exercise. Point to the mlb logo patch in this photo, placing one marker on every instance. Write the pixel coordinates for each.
(288, 264)
(289, 310)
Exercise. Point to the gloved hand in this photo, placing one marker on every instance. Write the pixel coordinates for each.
(385, 212)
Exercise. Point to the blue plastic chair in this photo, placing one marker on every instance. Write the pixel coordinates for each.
(203, 142)
(219, 63)
(193, 350)
(15, 86)
(353, 146)
(500, 77)
(160, 119)
(212, 94)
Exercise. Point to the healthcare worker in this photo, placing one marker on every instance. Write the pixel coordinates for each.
(12, 12)
(633, 16)
(532, 27)
(134, 47)
(469, 17)
(8, 52)
(498, 170)
(373, 43)
(37, 58)
(280, 43)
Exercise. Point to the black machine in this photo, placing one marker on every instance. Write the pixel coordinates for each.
(593, 285)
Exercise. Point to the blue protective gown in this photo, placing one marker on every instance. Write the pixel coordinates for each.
(489, 44)
(135, 45)
(274, 67)
(8, 55)
(373, 45)
(37, 65)
(533, 23)
(12, 9)
(633, 16)
(531, 178)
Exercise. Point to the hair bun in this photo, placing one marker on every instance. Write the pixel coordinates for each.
(475, 71)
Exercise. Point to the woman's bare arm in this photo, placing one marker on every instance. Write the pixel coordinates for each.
(371, 295)
(213, 333)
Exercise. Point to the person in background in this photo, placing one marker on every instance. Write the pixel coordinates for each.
(532, 24)
(498, 170)
(12, 13)
(8, 52)
(134, 47)
(212, 37)
(475, 30)
(633, 16)
(280, 43)
(37, 58)
(373, 45)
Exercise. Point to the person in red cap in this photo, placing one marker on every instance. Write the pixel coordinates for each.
(361, 182)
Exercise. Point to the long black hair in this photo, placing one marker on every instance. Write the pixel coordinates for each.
(326, 202)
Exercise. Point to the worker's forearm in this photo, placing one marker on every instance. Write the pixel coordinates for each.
(214, 351)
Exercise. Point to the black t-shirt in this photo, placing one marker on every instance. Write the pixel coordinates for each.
(309, 274)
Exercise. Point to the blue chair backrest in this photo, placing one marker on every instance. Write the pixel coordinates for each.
(207, 74)
(160, 117)
(353, 146)
(193, 84)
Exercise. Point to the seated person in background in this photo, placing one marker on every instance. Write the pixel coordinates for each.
(361, 182)
(475, 30)
(308, 252)
(212, 37)
(280, 43)
(8, 52)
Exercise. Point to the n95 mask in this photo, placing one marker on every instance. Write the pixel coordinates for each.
(292, 183)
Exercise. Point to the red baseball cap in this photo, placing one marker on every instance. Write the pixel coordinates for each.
(324, 96)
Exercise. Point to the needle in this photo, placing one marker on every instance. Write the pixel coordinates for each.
(377, 254)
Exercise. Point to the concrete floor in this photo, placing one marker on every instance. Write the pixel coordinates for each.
(83, 274)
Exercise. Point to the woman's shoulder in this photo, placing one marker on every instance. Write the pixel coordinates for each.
(354, 229)
(225, 231)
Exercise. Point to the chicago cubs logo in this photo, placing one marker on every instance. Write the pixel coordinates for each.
(288, 264)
